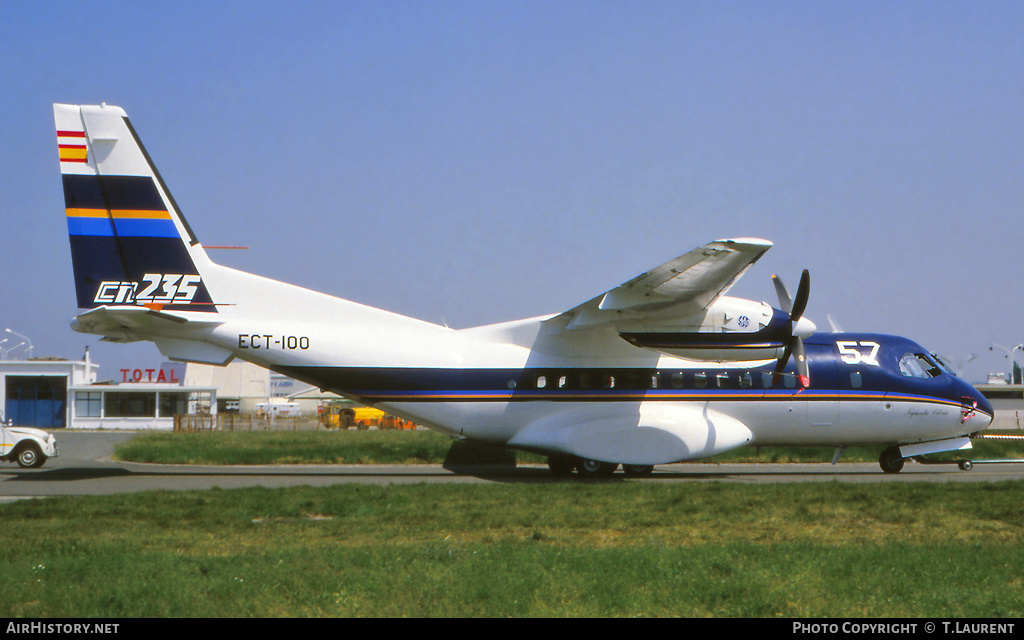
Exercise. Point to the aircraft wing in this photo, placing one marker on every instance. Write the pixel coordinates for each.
(685, 285)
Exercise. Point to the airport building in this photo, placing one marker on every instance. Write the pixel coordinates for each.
(54, 393)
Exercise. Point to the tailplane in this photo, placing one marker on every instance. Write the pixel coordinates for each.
(129, 243)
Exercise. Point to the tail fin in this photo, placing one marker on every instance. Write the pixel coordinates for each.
(129, 243)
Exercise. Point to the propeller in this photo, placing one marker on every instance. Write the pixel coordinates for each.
(798, 330)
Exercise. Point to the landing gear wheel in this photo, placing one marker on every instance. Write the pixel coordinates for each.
(561, 465)
(595, 469)
(891, 460)
(30, 457)
(965, 465)
(637, 470)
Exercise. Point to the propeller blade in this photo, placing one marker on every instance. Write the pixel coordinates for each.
(795, 344)
(803, 291)
(794, 348)
(785, 302)
(802, 369)
(781, 365)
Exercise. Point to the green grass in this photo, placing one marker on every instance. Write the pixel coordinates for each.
(284, 447)
(421, 446)
(560, 549)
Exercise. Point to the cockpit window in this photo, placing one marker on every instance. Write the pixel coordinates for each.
(942, 365)
(918, 365)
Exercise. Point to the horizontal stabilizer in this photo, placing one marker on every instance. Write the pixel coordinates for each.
(129, 324)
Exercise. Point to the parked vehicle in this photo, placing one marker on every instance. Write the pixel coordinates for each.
(339, 416)
(29, 447)
(278, 409)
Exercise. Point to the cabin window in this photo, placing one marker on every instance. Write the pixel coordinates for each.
(677, 379)
(767, 379)
(856, 380)
(722, 380)
(561, 382)
(542, 381)
(654, 381)
(746, 380)
(789, 380)
(700, 380)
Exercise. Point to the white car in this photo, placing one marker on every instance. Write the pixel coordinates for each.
(27, 446)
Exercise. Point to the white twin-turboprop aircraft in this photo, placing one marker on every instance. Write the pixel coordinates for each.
(661, 369)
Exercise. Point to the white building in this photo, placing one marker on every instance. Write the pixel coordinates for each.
(53, 393)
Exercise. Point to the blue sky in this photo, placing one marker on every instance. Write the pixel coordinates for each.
(480, 161)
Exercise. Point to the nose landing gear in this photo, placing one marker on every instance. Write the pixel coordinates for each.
(891, 460)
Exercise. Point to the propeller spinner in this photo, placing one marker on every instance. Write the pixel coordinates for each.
(800, 327)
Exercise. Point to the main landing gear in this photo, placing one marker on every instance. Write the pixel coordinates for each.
(563, 465)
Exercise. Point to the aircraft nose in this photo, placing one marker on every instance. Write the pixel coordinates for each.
(985, 406)
(804, 328)
(976, 407)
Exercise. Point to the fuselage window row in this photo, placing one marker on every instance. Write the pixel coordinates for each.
(652, 380)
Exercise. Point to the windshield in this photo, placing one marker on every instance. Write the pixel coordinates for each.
(919, 365)
(942, 365)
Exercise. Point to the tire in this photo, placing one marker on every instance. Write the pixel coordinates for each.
(561, 465)
(891, 460)
(595, 468)
(637, 470)
(30, 457)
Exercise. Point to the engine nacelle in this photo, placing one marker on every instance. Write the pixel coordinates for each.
(731, 329)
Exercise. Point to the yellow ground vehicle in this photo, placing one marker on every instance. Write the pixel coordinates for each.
(346, 416)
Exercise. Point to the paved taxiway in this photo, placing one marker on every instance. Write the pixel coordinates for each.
(84, 467)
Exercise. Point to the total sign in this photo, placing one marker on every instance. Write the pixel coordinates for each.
(168, 373)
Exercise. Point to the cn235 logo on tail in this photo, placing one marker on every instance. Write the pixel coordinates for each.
(161, 288)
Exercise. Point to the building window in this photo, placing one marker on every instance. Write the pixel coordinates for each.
(129, 405)
(172, 404)
(88, 404)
